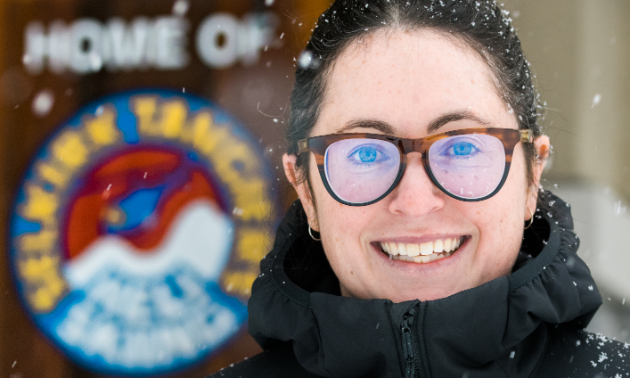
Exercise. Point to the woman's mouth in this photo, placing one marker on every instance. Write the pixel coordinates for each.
(422, 253)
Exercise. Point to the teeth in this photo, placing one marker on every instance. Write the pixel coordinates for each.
(424, 259)
(422, 253)
(426, 248)
(385, 247)
(447, 245)
(413, 250)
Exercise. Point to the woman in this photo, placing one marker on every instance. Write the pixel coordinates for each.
(420, 245)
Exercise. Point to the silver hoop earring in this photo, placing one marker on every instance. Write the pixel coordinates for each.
(530, 221)
(310, 233)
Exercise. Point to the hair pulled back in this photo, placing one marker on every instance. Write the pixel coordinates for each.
(481, 24)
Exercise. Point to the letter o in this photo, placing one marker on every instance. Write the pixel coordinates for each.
(214, 26)
(84, 60)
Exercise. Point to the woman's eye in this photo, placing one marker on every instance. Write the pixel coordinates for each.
(461, 150)
(366, 155)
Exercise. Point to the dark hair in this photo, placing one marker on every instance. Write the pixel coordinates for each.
(481, 24)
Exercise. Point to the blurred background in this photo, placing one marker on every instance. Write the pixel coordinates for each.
(580, 54)
(137, 134)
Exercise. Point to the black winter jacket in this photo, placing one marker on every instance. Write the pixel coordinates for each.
(529, 324)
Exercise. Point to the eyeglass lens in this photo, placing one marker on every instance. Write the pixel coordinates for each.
(467, 166)
(361, 170)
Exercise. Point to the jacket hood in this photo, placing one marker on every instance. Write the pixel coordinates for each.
(498, 328)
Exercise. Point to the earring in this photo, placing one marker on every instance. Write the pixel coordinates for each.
(531, 220)
(310, 233)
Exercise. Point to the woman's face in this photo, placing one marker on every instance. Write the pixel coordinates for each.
(407, 80)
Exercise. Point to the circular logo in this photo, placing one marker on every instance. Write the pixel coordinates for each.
(138, 229)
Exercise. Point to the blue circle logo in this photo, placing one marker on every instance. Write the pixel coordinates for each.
(138, 229)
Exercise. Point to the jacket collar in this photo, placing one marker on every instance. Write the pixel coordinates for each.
(497, 327)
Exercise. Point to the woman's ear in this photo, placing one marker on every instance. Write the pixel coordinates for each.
(542, 146)
(301, 187)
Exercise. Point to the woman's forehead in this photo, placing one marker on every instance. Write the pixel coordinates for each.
(389, 51)
(408, 78)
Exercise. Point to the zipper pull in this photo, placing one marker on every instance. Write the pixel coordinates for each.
(407, 343)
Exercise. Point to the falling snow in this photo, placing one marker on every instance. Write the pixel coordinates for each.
(596, 100)
(43, 102)
(180, 7)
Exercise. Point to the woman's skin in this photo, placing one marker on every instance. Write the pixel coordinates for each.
(405, 81)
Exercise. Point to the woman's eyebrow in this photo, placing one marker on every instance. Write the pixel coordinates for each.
(455, 116)
(388, 129)
(381, 126)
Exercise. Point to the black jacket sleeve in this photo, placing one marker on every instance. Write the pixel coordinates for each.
(577, 353)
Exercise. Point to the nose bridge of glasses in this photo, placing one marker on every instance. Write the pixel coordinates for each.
(413, 145)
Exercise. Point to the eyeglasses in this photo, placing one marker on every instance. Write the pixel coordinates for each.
(466, 164)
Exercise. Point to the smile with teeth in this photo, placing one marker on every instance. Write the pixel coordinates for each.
(424, 252)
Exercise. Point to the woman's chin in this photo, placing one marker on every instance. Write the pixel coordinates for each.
(425, 295)
(400, 293)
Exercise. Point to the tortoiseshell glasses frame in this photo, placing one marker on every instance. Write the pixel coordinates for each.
(319, 144)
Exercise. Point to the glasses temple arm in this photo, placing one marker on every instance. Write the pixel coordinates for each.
(302, 146)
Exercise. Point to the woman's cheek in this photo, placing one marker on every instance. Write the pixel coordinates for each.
(341, 226)
(502, 250)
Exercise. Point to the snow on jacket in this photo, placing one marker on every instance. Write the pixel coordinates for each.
(528, 324)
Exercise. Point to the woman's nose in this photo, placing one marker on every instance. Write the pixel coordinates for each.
(415, 195)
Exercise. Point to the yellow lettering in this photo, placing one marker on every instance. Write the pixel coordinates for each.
(44, 298)
(173, 117)
(252, 245)
(198, 128)
(102, 129)
(231, 158)
(250, 197)
(70, 149)
(239, 282)
(231, 153)
(226, 172)
(144, 108)
(38, 269)
(40, 205)
(226, 153)
(53, 174)
(259, 211)
(252, 189)
(227, 167)
(44, 283)
(208, 138)
(41, 241)
(167, 123)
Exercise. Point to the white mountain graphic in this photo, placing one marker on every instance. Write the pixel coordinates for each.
(140, 312)
(200, 235)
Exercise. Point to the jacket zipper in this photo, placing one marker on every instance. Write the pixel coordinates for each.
(407, 343)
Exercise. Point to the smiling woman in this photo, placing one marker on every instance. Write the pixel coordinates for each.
(415, 150)
(408, 82)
